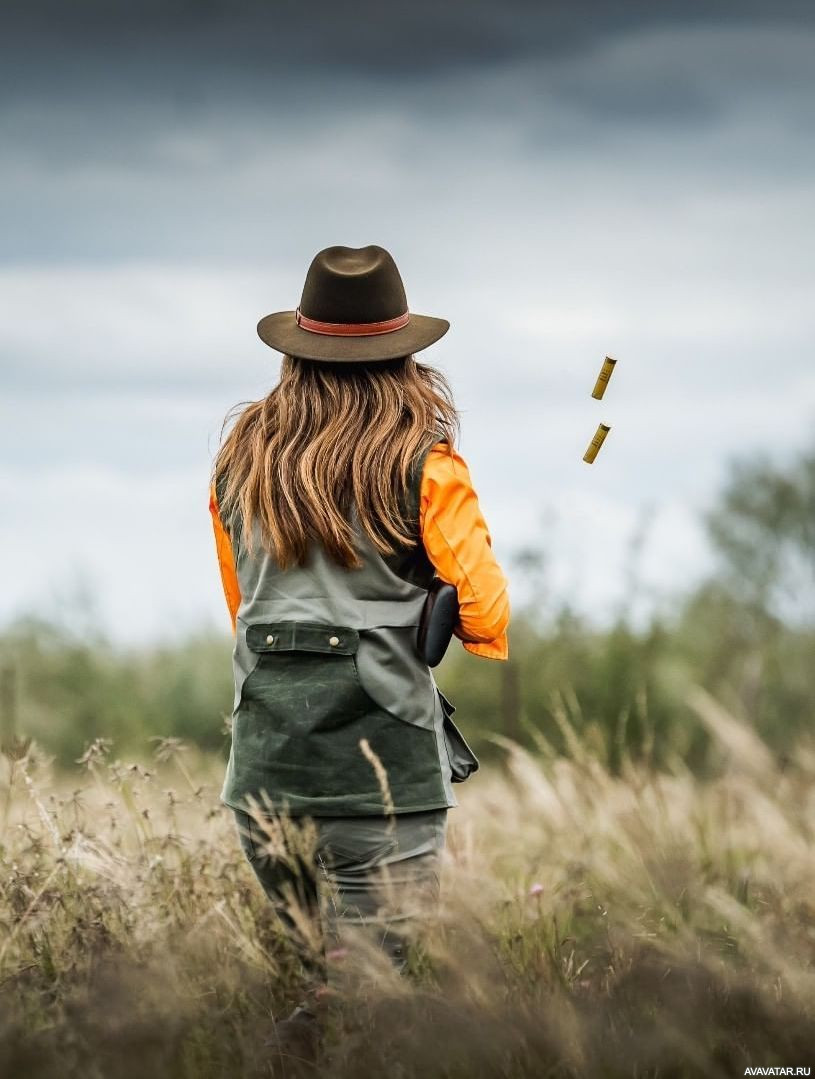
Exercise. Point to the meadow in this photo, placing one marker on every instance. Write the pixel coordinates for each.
(645, 923)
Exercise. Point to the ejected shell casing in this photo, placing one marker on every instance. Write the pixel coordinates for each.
(596, 443)
(603, 378)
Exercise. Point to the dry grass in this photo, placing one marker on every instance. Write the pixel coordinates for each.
(644, 924)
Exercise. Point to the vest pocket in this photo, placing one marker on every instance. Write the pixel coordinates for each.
(305, 675)
(302, 715)
(463, 762)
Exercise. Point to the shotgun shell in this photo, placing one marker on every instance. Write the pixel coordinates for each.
(603, 378)
(596, 443)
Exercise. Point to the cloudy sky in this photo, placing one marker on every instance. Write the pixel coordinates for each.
(559, 182)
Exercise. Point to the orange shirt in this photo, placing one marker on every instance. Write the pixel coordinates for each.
(458, 544)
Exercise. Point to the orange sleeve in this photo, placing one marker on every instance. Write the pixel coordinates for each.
(459, 545)
(226, 559)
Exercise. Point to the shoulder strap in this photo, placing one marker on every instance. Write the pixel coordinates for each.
(230, 521)
(414, 486)
(412, 563)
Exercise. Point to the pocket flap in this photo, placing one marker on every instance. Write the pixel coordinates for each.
(302, 637)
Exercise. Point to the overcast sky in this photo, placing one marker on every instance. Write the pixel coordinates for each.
(560, 183)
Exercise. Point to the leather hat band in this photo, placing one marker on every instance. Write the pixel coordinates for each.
(351, 329)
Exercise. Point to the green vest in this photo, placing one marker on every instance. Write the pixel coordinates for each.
(325, 658)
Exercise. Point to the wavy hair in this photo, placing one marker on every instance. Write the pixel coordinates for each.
(329, 436)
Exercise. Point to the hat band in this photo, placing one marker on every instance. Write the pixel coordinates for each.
(351, 329)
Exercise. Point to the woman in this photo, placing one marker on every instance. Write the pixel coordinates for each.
(335, 501)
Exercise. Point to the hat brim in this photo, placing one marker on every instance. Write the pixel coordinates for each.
(281, 332)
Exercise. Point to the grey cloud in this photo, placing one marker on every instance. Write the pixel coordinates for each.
(225, 181)
(192, 52)
(390, 41)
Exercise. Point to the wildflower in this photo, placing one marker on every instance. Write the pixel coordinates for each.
(536, 889)
(95, 752)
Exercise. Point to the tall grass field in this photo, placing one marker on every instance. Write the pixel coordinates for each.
(640, 923)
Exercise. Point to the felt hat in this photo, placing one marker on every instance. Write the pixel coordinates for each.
(353, 309)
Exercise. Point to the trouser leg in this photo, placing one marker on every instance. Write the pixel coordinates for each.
(381, 877)
(377, 876)
(288, 878)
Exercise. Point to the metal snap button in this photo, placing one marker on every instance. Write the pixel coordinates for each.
(270, 639)
(333, 641)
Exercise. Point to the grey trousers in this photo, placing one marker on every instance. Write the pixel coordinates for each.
(374, 875)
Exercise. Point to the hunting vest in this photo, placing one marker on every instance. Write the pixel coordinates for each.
(335, 712)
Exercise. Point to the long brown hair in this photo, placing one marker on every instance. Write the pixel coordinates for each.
(330, 435)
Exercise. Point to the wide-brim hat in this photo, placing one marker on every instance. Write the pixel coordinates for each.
(353, 309)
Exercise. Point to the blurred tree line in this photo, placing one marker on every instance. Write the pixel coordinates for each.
(746, 634)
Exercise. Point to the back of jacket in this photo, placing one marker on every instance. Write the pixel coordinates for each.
(335, 712)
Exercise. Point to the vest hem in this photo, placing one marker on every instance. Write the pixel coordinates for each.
(347, 811)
